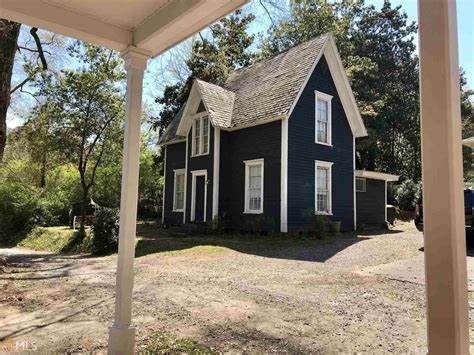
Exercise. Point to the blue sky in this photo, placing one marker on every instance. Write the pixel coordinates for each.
(465, 18)
(152, 87)
(465, 11)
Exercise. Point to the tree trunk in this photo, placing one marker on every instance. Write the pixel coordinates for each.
(85, 200)
(9, 32)
(43, 169)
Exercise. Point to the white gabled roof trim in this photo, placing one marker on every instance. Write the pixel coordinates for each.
(192, 104)
(343, 87)
(375, 175)
(219, 115)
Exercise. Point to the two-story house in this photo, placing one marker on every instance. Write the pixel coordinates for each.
(275, 141)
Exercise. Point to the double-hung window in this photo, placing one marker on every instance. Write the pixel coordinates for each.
(178, 196)
(323, 187)
(323, 118)
(254, 186)
(200, 131)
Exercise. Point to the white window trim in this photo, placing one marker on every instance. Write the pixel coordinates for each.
(194, 174)
(365, 184)
(322, 164)
(200, 116)
(248, 164)
(318, 95)
(178, 172)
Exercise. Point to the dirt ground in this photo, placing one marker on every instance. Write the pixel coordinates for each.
(362, 293)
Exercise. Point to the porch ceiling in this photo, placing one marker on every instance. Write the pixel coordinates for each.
(152, 25)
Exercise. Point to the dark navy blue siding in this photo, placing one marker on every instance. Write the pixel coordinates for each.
(263, 141)
(175, 159)
(371, 204)
(203, 162)
(302, 153)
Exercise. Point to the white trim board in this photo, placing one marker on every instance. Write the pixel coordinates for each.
(173, 142)
(353, 181)
(186, 182)
(284, 177)
(216, 173)
(164, 188)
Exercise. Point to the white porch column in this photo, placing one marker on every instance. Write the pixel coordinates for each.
(445, 246)
(122, 334)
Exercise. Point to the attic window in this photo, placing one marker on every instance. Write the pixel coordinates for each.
(200, 141)
(201, 107)
(323, 119)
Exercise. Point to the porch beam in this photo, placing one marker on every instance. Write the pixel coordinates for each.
(66, 22)
(445, 245)
(122, 333)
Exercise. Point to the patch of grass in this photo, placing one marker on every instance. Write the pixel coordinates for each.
(164, 344)
(199, 249)
(55, 239)
(153, 239)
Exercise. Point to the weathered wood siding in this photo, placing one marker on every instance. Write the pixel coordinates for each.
(303, 151)
(371, 204)
(175, 159)
(263, 141)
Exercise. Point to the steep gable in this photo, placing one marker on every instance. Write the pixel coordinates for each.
(269, 90)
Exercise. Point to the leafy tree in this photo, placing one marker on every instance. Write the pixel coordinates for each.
(407, 195)
(9, 32)
(378, 52)
(211, 59)
(467, 117)
(85, 106)
(33, 57)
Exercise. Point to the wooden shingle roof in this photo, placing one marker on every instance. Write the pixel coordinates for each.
(260, 92)
(269, 88)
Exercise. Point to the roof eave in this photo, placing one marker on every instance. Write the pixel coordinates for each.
(368, 174)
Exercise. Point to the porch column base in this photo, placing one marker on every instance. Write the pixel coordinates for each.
(121, 340)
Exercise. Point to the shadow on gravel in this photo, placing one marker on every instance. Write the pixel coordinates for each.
(280, 247)
(24, 266)
(47, 318)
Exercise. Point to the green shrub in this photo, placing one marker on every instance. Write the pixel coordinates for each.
(333, 228)
(316, 225)
(407, 195)
(105, 230)
(62, 189)
(220, 225)
(260, 224)
(18, 211)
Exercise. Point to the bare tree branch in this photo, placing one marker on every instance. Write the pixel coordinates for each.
(41, 57)
(268, 12)
(39, 47)
(20, 85)
(32, 50)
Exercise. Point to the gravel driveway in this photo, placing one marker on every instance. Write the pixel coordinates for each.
(230, 295)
